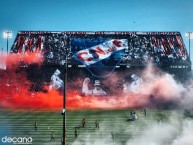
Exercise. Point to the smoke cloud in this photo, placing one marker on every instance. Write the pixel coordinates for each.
(15, 86)
(175, 131)
(158, 89)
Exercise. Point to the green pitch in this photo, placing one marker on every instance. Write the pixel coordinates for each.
(114, 127)
(20, 123)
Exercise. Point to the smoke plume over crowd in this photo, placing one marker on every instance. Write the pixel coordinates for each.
(15, 86)
(158, 89)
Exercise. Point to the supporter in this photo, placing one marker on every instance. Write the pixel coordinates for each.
(98, 91)
(113, 136)
(36, 126)
(76, 133)
(52, 138)
(134, 85)
(85, 89)
(97, 125)
(133, 116)
(83, 122)
(145, 111)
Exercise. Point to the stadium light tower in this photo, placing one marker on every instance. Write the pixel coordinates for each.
(189, 35)
(7, 35)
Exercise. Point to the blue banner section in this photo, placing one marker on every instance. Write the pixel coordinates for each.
(101, 59)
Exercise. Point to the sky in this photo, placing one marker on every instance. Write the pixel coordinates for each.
(96, 15)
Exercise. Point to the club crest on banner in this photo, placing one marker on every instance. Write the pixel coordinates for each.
(101, 59)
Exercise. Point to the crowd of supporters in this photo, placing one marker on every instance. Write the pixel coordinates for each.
(141, 48)
(158, 49)
(56, 47)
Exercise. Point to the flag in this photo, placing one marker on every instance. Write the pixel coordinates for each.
(56, 82)
(182, 50)
(165, 46)
(103, 57)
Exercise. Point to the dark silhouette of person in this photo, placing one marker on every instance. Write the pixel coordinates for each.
(52, 137)
(36, 126)
(97, 125)
(76, 133)
(83, 122)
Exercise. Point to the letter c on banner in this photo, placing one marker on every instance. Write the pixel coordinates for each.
(82, 58)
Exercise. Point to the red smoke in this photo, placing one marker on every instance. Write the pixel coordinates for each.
(15, 59)
(75, 101)
(14, 93)
(159, 89)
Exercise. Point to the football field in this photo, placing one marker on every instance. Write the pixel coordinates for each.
(114, 125)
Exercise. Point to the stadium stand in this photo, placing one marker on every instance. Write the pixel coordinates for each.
(160, 47)
(165, 49)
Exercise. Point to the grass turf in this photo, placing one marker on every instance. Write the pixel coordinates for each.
(21, 123)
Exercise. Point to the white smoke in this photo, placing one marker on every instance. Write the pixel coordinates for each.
(176, 130)
(164, 88)
(185, 138)
(159, 133)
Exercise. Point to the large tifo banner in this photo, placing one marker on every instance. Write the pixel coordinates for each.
(102, 57)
